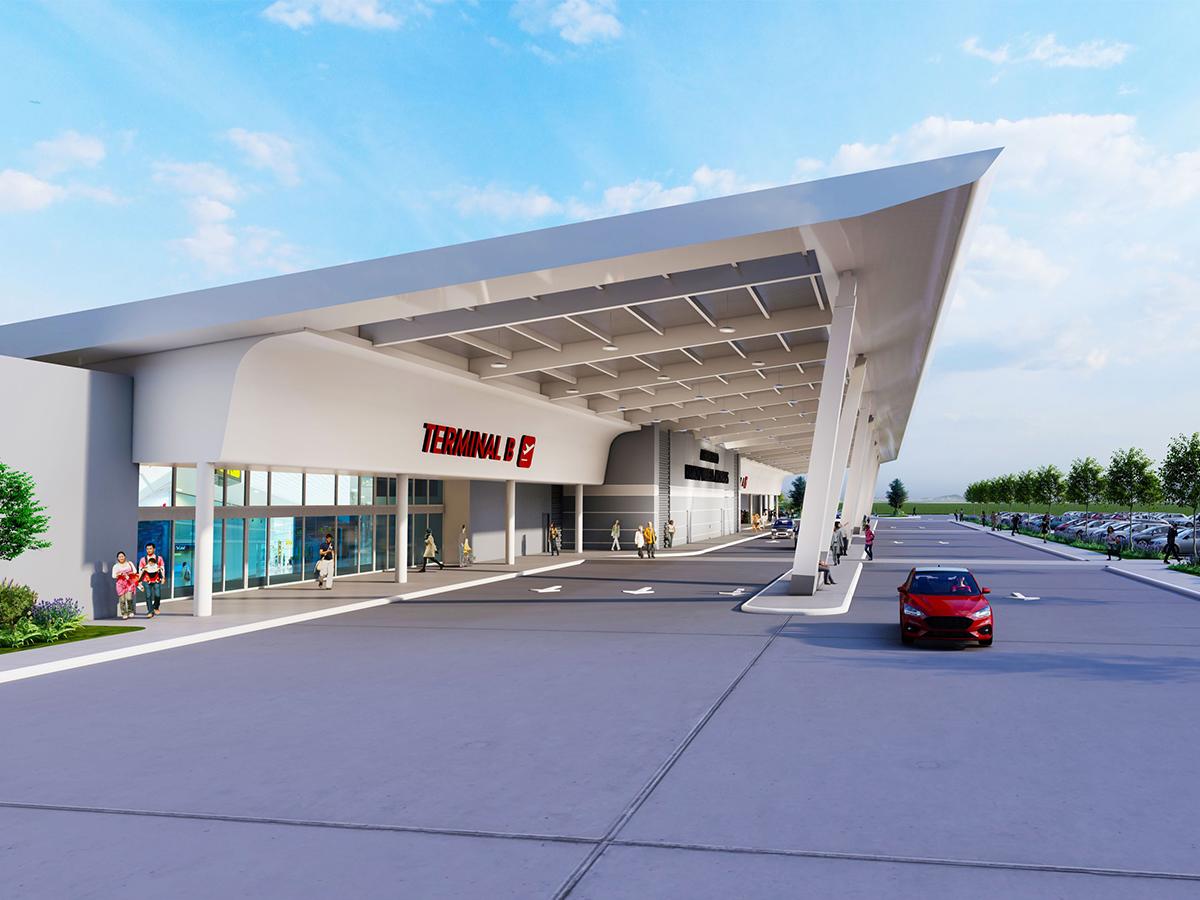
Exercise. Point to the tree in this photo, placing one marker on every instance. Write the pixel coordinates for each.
(1025, 487)
(1130, 480)
(22, 519)
(1180, 473)
(1085, 482)
(1048, 486)
(796, 493)
(1005, 489)
(897, 494)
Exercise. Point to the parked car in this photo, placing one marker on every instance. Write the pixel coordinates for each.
(944, 604)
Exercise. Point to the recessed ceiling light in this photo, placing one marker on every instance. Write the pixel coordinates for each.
(620, 409)
(572, 390)
(727, 329)
(499, 365)
(611, 348)
(663, 377)
(699, 396)
(758, 364)
(724, 410)
(779, 387)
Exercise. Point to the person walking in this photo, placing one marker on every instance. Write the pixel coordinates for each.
(326, 564)
(835, 546)
(1112, 543)
(124, 575)
(1016, 523)
(669, 538)
(616, 535)
(651, 538)
(1045, 526)
(1172, 549)
(845, 539)
(869, 541)
(553, 539)
(152, 572)
(639, 540)
(464, 548)
(430, 552)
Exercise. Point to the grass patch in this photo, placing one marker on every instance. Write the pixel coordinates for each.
(83, 633)
(1186, 568)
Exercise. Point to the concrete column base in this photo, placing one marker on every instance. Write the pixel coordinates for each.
(802, 585)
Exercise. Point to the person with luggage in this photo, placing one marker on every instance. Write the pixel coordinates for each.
(326, 564)
(1112, 543)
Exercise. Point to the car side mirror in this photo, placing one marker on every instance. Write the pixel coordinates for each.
(902, 589)
(986, 590)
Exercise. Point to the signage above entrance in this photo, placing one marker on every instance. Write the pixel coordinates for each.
(450, 441)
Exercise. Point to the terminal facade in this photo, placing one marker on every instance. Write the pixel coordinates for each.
(675, 365)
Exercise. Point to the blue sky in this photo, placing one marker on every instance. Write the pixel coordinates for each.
(151, 148)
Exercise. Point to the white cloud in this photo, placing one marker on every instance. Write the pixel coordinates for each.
(202, 178)
(579, 22)
(502, 203)
(264, 150)
(22, 192)
(70, 150)
(1047, 51)
(297, 14)
(215, 241)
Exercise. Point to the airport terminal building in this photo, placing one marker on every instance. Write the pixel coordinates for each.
(678, 364)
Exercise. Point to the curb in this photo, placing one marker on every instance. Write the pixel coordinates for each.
(91, 659)
(1045, 548)
(1190, 593)
(839, 610)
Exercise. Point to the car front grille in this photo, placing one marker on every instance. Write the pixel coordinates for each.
(948, 623)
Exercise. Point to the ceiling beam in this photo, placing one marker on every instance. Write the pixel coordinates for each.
(536, 336)
(474, 340)
(759, 301)
(677, 338)
(765, 440)
(644, 319)
(786, 267)
(561, 375)
(780, 411)
(749, 385)
(701, 311)
(591, 329)
(806, 354)
(749, 434)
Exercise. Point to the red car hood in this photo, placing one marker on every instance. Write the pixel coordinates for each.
(954, 605)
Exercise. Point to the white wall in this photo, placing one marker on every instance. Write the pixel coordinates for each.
(70, 429)
(307, 401)
(487, 519)
(710, 508)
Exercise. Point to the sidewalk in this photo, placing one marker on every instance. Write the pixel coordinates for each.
(696, 548)
(1153, 571)
(243, 612)
(829, 600)
(1063, 551)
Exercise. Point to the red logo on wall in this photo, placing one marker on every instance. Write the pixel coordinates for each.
(745, 481)
(525, 456)
(450, 441)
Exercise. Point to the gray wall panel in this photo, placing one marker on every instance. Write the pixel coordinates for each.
(77, 443)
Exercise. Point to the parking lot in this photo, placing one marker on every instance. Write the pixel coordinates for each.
(592, 742)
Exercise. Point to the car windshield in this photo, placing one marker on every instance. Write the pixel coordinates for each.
(941, 584)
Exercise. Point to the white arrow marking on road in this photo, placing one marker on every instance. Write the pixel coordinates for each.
(736, 592)
(641, 590)
(1018, 595)
(897, 542)
(553, 589)
(943, 542)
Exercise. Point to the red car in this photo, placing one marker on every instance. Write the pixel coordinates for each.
(944, 604)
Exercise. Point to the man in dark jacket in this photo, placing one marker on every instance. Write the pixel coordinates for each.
(1172, 549)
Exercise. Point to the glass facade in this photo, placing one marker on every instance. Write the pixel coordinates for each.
(252, 551)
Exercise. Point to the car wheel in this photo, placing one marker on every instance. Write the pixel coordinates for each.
(986, 643)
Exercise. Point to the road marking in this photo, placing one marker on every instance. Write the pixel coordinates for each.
(641, 590)
(553, 589)
(736, 592)
(897, 542)
(943, 542)
(1021, 596)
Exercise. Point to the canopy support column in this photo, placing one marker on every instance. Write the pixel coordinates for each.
(401, 529)
(202, 551)
(579, 518)
(510, 523)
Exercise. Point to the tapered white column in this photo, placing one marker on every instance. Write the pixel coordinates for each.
(858, 471)
(202, 553)
(846, 426)
(510, 523)
(579, 518)
(815, 528)
(401, 529)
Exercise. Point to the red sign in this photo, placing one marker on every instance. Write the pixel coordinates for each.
(450, 441)
(745, 481)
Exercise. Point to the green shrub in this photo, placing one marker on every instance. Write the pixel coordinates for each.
(16, 600)
(56, 618)
(22, 633)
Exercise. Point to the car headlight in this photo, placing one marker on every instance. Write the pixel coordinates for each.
(914, 612)
(982, 613)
